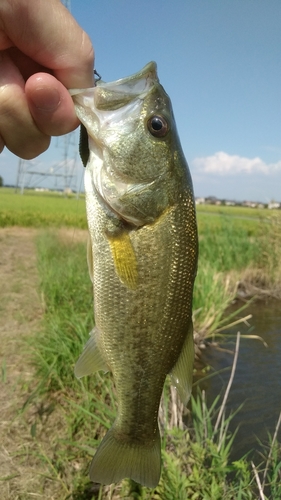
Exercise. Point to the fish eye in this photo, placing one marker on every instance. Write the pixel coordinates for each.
(158, 126)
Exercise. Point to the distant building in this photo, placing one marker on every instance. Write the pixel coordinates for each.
(199, 201)
(251, 204)
(274, 204)
(211, 200)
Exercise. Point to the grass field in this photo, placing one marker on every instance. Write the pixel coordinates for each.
(51, 208)
(44, 209)
(234, 248)
(237, 211)
(233, 241)
(237, 244)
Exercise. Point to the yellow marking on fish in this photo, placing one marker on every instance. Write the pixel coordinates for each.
(124, 258)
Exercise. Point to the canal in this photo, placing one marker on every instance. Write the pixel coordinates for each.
(257, 382)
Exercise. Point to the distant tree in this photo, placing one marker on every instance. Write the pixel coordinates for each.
(1, 181)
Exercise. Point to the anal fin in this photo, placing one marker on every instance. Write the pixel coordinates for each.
(182, 373)
(91, 359)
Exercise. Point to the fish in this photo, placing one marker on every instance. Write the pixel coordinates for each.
(142, 258)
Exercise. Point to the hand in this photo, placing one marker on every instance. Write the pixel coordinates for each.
(43, 52)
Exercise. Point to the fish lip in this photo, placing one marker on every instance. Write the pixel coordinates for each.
(132, 83)
(136, 84)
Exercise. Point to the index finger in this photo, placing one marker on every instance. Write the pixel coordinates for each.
(47, 33)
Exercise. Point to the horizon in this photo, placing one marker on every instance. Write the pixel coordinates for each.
(72, 190)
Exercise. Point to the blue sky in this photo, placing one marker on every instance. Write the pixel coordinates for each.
(219, 60)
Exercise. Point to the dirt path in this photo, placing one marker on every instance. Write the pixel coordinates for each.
(29, 438)
(20, 315)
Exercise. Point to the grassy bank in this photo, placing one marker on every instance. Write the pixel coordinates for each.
(196, 460)
(238, 254)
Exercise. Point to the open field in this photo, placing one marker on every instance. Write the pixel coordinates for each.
(54, 422)
(54, 209)
(44, 209)
(237, 211)
(239, 247)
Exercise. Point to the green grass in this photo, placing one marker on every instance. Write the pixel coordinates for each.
(232, 240)
(236, 211)
(47, 209)
(233, 250)
(229, 243)
(68, 302)
(196, 461)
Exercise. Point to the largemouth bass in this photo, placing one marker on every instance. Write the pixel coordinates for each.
(142, 260)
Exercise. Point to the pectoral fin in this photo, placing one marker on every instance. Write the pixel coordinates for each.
(91, 359)
(182, 372)
(90, 258)
(124, 258)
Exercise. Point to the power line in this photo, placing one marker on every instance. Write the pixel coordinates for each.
(61, 175)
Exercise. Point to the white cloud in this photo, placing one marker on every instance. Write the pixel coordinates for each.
(224, 164)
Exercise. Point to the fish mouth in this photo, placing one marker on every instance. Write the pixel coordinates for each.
(113, 95)
(149, 71)
(124, 90)
(102, 107)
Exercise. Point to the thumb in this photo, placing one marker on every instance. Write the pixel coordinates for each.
(50, 105)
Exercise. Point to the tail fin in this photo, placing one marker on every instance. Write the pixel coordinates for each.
(116, 460)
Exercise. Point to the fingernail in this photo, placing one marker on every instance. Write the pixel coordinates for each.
(46, 98)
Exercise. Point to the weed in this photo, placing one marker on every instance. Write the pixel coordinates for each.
(196, 462)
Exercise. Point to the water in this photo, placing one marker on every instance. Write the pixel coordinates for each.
(257, 382)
